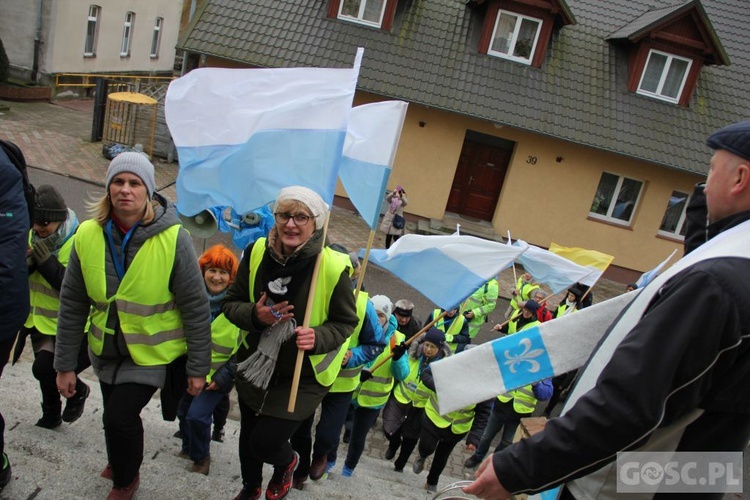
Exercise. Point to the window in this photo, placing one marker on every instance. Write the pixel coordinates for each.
(92, 31)
(673, 222)
(664, 76)
(127, 34)
(515, 37)
(368, 12)
(156, 38)
(616, 198)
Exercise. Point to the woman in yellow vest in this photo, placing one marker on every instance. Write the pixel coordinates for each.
(271, 290)
(219, 267)
(134, 269)
(50, 241)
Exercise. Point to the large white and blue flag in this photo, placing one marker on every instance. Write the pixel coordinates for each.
(369, 151)
(648, 276)
(510, 362)
(243, 134)
(555, 271)
(445, 269)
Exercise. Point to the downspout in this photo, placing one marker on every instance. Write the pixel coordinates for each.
(37, 43)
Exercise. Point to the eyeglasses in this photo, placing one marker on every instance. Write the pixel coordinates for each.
(299, 219)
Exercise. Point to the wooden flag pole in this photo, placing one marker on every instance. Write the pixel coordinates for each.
(306, 321)
(361, 278)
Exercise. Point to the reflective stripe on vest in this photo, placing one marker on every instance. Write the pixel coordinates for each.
(525, 290)
(348, 378)
(523, 399)
(459, 421)
(225, 340)
(514, 324)
(45, 300)
(150, 323)
(454, 328)
(326, 366)
(411, 389)
(374, 392)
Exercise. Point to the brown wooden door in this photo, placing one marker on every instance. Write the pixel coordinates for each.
(479, 178)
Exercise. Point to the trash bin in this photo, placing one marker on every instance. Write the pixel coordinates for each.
(130, 119)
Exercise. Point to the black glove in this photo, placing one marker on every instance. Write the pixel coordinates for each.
(398, 351)
(365, 375)
(41, 253)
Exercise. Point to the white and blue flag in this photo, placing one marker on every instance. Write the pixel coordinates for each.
(243, 134)
(555, 271)
(369, 151)
(445, 269)
(648, 276)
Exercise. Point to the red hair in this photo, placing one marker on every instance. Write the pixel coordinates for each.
(221, 257)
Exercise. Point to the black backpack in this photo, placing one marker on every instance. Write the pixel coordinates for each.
(16, 158)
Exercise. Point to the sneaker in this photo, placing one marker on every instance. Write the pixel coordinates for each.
(318, 468)
(107, 472)
(330, 465)
(5, 472)
(347, 472)
(418, 466)
(202, 466)
(472, 462)
(398, 469)
(74, 407)
(217, 435)
(432, 488)
(281, 481)
(50, 417)
(249, 493)
(390, 452)
(125, 492)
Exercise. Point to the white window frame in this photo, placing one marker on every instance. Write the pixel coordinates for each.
(680, 222)
(665, 72)
(359, 19)
(514, 37)
(608, 217)
(89, 44)
(127, 34)
(156, 38)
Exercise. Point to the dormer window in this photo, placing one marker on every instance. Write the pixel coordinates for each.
(373, 13)
(664, 76)
(515, 36)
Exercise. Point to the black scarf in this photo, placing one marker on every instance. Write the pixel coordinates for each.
(281, 281)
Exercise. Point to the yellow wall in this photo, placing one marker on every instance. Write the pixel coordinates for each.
(541, 203)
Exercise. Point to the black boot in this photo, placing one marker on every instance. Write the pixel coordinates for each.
(5, 471)
(74, 406)
(50, 417)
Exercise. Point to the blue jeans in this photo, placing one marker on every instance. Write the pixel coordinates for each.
(500, 418)
(196, 414)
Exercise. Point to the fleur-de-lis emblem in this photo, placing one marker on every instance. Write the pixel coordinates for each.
(527, 355)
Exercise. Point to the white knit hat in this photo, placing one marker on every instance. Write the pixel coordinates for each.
(309, 198)
(382, 304)
(135, 163)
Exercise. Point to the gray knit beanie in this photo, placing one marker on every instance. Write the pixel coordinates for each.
(135, 163)
(50, 206)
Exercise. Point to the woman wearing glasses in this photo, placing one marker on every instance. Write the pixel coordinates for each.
(136, 265)
(268, 299)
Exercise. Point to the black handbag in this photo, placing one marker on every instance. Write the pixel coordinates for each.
(398, 221)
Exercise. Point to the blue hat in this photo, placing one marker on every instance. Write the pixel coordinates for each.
(734, 138)
(434, 336)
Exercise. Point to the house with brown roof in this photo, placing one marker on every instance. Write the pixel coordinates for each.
(579, 122)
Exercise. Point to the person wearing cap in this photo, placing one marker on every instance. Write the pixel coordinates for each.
(50, 243)
(526, 319)
(631, 286)
(390, 367)
(525, 286)
(542, 314)
(150, 321)
(364, 345)
(455, 327)
(571, 303)
(270, 294)
(408, 324)
(477, 308)
(403, 412)
(671, 372)
(219, 267)
(393, 222)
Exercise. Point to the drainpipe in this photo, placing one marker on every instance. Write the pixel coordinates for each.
(37, 43)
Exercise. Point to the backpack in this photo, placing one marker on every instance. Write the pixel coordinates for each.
(16, 158)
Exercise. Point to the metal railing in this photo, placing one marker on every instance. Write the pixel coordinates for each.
(89, 79)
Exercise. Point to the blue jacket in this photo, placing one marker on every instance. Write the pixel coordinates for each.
(14, 233)
(371, 339)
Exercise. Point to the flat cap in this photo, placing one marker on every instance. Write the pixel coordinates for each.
(733, 138)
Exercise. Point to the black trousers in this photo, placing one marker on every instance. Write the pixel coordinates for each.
(263, 439)
(5, 348)
(221, 412)
(45, 373)
(439, 441)
(123, 428)
(411, 429)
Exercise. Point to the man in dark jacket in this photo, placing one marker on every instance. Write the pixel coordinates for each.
(671, 373)
(14, 280)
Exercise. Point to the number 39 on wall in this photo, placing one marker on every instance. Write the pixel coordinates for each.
(531, 160)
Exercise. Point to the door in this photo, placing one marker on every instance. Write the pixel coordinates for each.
(479, 178)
